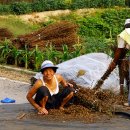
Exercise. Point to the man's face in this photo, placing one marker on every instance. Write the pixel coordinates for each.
(48, 73)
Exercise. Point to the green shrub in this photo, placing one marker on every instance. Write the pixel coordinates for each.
(5, 9)
(127, 3)
(20, 8)
(111, 3)
(115, 19)
(47, 5)
(85, 4)
(92, 44)
(76, 4)
(94, 27)
(37, 6)
(108, 23)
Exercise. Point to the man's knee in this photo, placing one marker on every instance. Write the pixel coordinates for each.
(41, 93)
(44, 91)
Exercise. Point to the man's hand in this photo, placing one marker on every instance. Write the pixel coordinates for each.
(42, 111)
(69, 84)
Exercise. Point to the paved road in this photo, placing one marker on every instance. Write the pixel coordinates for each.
(9, 120)
(10, 112)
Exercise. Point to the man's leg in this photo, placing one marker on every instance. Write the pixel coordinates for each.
(42, 98)
(66, 95)
(65, 100)
(121, 76)
(43, 105)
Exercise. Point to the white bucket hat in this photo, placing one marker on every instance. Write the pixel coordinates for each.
(127, 21)
(48, 64)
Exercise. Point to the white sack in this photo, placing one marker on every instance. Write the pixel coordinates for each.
(92, 66)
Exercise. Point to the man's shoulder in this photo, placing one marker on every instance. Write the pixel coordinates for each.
(58, 76)
(38, 75)
(38, 83)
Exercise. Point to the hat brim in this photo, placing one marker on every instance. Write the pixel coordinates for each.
(128, 30)
(53, 67)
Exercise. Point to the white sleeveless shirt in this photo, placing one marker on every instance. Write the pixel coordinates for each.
(57, 86)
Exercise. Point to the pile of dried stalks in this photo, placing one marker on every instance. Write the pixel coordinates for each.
(102, 100)
(56, 34)
(89, 105)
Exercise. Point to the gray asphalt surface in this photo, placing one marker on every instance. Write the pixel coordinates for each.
(10, 114)
(9, 119)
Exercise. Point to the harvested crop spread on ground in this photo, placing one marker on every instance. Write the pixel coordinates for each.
(88, 105)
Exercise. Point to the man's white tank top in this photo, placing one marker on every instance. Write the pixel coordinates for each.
(57, 86)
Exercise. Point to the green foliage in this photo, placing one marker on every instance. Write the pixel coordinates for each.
(38, 56)
(127, 2)
(101, 44)
(101, 29)
(24, 57)
(5, 9)
(97, 33)
(15, 53)
(65, 55)
(76, 4)
(12, 1)
(108, 24)
(115, 19)
(78, 50)
(94, 27)
(5, 50)
(37, 6)
(83, 4)
(21, 8)
(110, 3)
(51, 53)
(48, 5)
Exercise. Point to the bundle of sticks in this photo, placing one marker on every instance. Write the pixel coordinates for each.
(56, 34)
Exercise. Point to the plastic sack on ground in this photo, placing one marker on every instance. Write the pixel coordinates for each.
(87, 69)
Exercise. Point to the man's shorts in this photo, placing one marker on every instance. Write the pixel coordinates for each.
(54, 101)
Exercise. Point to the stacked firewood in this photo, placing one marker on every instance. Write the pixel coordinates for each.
(56, 34)
(5, 34)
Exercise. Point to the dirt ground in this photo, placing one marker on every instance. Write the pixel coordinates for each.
(15, 75)
(88, 106)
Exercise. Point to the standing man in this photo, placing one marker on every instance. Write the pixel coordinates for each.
(123, 40)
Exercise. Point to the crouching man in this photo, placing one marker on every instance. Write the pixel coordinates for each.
(46, 90)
